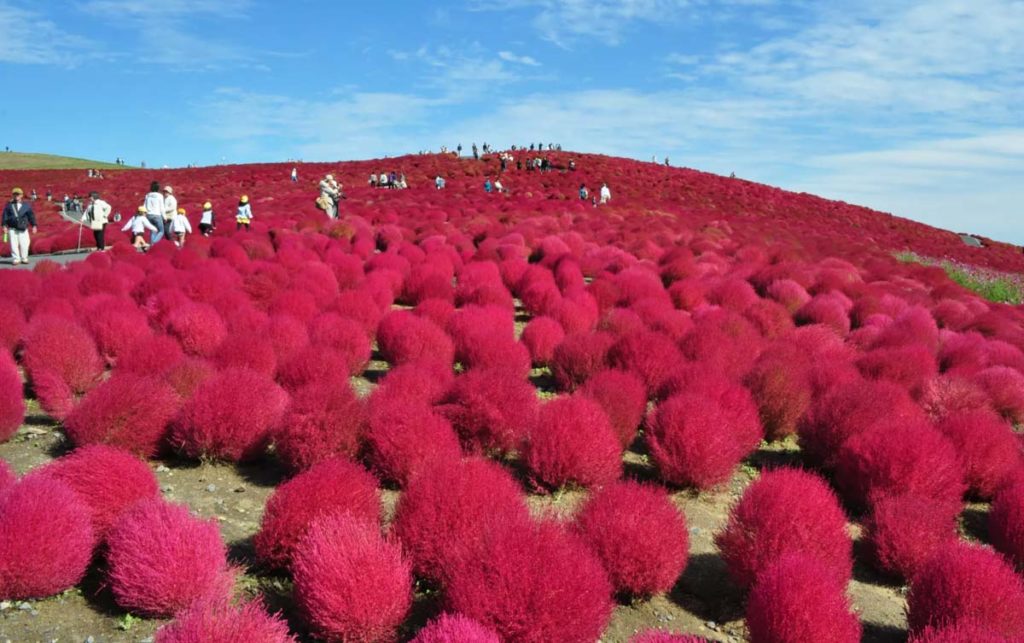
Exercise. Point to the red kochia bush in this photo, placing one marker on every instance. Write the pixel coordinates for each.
(230, 416)
(333, 486)
(491, 409)
(781, 387)
(46, 538)
(534, 583)
(218, 621)
(347, 336)
(896, 458)
(1006, 521)
(578, 357)
(404, 436)
(696, 440)
(161, 559)
(786, 510)
(198, 327)
(1005, 387)
(541, 336)
(242, 350)
(61, 361)
(126, 411)
(967, 582)
(572, 442)
(150, 355)
(638, 534)
(795, 599)
(903, 531)
(12, 399)
(446, 507)
(324, 419)
(403, 337)
(849, 409)
(624, 399)
(107, 479)
(312, 364)
(350, 583)
(986, 447)
(455, 628)
(909, 366)
(964, 631)
(650, 355)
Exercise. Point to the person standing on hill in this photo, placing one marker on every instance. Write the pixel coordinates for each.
(170, 208)
(606, 194)
(206, 221)
(295, 175)
(439, 182)
(97, 215)
(154, 205)
(180, 226)
(243, 217)
(17, 218)
(329, 195)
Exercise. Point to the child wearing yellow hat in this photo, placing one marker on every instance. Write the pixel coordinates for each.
(244, 215)
(180, 226)
(138, 225)
(206, 220)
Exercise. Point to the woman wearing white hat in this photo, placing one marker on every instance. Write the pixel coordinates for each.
(170, 206)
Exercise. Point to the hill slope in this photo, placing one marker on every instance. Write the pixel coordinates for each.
(30, 161)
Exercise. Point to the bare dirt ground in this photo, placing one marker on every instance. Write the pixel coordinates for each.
(704, 601)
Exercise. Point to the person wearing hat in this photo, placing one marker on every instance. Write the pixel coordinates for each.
(138, 225)
(97, 215)
(206, 224)
(243, 217)
(329, 193)
(170, 206)
(180, 226)
(154, 205)
(17, 218)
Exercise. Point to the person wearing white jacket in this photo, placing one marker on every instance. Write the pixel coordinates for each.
(154, 206)
(97, 215)
(170, 206)
(180, 227)
(606, 194)
(138, 225)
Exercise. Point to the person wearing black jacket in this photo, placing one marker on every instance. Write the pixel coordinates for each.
(17, 218)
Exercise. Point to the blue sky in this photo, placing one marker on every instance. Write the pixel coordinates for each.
(909, 107)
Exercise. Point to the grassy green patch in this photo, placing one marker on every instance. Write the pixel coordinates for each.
(28, 161)
(1000, 287)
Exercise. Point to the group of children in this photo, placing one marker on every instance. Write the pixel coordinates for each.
(179, 226)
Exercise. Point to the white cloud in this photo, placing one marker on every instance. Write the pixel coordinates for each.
(508, 56)
(40, 41)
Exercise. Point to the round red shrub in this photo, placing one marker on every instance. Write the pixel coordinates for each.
(723, 341)
(572, 442)
(781, 387)
(218, 621)
(12, 398)
(337, 485)
(199, 328)
(623, 397)
(287, 335)
(455, 628)
(116, 324)
(347, 336)
(579, 356)
(894, 458)
(947, 394)
(12, 327)
(350, 583)
(126, 411)
(965, 631)
(795, 599)
(909, 366)
(150, 355)
(1005, 388)
(107, 479)
(240, 351)
(324, 419)
(445, 509)
(230, 416)
(541, 336)
(416, 381)
(7, 475)
(491, 409)
(903, 531)
(785, 510)
(986, 447)
(697, 441)
(46, 538)
(534, 583)
(827, 309)
(847, 410)
(638, 534)
(403, 337)
(1006, 521)
(161, 558)
(650, 355)
(403, 436)
(967, 582)
(62, 347)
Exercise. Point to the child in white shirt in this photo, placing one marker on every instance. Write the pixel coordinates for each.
(138, 225)
(180, 227)
(206, 220)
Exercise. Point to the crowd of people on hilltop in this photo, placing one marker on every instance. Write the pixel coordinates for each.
(388, 180)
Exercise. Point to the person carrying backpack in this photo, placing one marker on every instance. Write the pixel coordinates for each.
(17, 218)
